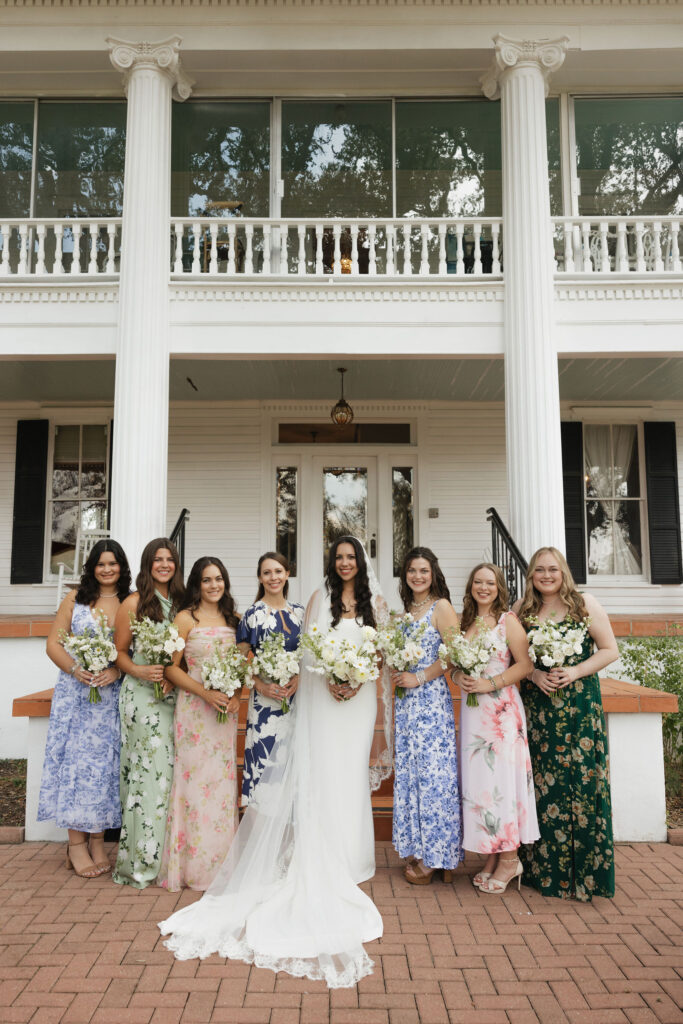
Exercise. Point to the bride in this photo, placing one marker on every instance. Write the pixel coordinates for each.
(287, 895)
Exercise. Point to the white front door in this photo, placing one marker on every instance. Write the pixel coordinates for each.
(344, 501)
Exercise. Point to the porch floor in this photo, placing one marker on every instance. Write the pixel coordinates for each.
(80, 951)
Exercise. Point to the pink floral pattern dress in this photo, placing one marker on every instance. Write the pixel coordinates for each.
(202, 815)
(499, 806)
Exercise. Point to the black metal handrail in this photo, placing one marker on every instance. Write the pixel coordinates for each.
(178, 534)
(506, 554)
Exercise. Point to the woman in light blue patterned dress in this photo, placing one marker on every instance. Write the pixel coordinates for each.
(80, 783)
(270, 613)
(427, 826)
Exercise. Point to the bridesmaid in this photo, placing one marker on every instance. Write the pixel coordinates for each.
(80, 784)
(499, 811)
(146, 723)
(270, 613)
(202, 816)
(427, 824)
(568, 743)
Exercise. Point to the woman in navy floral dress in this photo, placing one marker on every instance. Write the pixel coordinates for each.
(80, 783)
(270, 613)
(427, 825)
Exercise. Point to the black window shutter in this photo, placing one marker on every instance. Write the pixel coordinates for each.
(28, 524)
(572, 481)
(663, 513)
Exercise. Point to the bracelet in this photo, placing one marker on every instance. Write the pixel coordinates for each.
(74, 669)
(420, 676)
(503, 683)
(493, 683)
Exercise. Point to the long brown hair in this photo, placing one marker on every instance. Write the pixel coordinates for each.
(281, 560)
(439, 586)
(469, 605)
(193, 591)
(533, 599)
(361, 585)
(149, 605)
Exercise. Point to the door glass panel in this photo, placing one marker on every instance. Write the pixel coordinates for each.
(402, 513)
(286, 514)
(345, 505)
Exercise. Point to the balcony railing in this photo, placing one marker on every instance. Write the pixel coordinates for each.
(618, 245)
(51, 248)
(405, 247)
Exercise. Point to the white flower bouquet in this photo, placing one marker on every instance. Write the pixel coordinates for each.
(156, 642)
(469, 655)
(272, 661)
(93, 649)
(226, 669)
(399, 641)
(341, 660)
(554, 644)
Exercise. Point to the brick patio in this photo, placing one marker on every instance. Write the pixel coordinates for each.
(78, 951)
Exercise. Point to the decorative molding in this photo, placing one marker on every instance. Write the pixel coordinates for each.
(601, 291)
(61, 294)
(268, 4)
(326, 293)
(163, 56)
(545, 54)
(296, 407)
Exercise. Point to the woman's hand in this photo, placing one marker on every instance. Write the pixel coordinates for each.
(561, 677)
(167, 687)
(150, 673)
(291, 687)
(106, 677)
(216, 699)
(272, 690)
(81, 675)
(543, 681)
(470, 684)
(233, 704)
(407, 680)
(341, 691)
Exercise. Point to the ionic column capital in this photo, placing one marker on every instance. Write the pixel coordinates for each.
(545, 54)
(163, 57)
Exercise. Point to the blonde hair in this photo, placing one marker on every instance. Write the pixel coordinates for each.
(469, 605)
(532, 600)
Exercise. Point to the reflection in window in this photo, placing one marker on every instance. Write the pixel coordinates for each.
(613, 507)
(552, 123)
(352, 433)
(345, 505)
(16, 149)
(402, 510)
(630, 155)
(286, 514)
(79, 489)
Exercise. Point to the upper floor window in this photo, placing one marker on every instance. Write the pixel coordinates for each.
(614, 506)
(16, 158)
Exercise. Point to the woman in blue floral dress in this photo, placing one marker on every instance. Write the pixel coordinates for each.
(427, 825)
(270, 613)
(80, 784)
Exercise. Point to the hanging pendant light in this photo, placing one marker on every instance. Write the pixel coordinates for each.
(342, 413)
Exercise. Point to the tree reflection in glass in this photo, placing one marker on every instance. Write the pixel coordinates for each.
(345, 505)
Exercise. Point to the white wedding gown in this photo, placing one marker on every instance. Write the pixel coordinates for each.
(286, 897)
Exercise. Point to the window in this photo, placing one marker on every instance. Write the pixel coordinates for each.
(613, 499)
(286, 519)
(403, 513)
(79, 489)
(16, 158)
(352, 433)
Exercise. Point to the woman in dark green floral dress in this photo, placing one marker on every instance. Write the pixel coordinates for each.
(568, 742)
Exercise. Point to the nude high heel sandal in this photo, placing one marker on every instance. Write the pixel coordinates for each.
(103, 866)
(494, 885)
(92, 872)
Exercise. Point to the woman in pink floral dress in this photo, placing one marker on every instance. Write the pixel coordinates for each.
(499, 807)
(202, 815)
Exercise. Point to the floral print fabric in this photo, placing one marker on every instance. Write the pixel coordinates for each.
(568, 745)
(427, 820)
(202, 816)
(146, 775)
(264, 715)
(499, 809)
(80, 783)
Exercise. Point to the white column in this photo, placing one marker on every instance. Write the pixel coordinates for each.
(140, 445)
(532, 401)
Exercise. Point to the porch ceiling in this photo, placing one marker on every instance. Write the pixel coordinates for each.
(479, 380)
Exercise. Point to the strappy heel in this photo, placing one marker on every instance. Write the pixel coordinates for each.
(103, 866)
(495, 886)
(417, 876)
(482, 876)
(93, 872)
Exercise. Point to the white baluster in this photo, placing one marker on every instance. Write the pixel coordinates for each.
(301, 232)
(94, 230)
(319, 232)
(495, 248)
(211, 235)
(284, 255)
(6, 237)
(391, 240)
(248, 248)
(459, 251)
(443, 266)
(40, 257)
(568, 248)
(354, 249)
(372, 249)
(336, 265)
(675, 259)
(640, 251)
(604, 251)
(76, 229)
(407, 254)
(57, 266)
(111, 255)
(657, 240)
(178, 264)
(586, 247)
(267, 242)
(197, 237)
(232, 249)
(622, 249)
(424, 253)
(477, 249)
(23, 248)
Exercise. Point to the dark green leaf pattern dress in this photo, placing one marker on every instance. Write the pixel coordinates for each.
(568, 747)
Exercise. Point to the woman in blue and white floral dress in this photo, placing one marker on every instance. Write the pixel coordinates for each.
(427, 825)
(270, 613)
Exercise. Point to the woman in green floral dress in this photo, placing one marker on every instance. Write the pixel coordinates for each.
(574, 857)
(146, 723)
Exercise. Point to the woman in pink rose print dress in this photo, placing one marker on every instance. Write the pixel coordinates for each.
(202, 814)
(499, 807)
